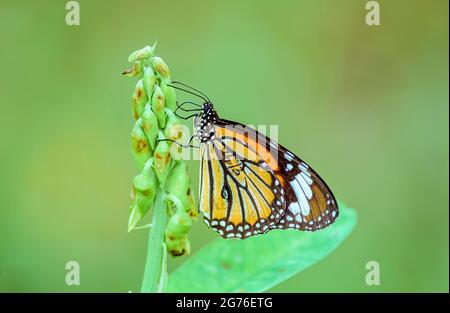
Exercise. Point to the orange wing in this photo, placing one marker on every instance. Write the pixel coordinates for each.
(240, 196)
(251, 185)
(309, 203)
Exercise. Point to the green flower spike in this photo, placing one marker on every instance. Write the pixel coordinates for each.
(162, 182)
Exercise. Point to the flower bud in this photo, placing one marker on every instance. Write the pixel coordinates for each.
(139, 145)
(150, 125)
(179, 224)
(173, 129)
(192, 208)
(149, 81)
(177, 230)
(158, 103)
(135, 70)
(143, 194)
(169, 94)
(178, 246)
(139, 100)
(162, 160)
(142, 54)
(139, 207)
(145, 181)
(178, 184)
(161, 67)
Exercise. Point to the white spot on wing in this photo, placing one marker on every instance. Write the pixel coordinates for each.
(304, 204)
(307, 178)
(304, 169)
(288, 156)
(306, 189)
(294, 208)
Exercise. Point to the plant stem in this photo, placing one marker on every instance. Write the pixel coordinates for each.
(154, 267)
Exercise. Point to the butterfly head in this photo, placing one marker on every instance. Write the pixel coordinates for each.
(204, 122)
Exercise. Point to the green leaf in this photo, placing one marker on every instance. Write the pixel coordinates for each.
(259, 263)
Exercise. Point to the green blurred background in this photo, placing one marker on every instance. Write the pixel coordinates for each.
(365, 106)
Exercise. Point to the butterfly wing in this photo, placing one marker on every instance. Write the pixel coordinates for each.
(310, 204)
(240, 194)
(250, 184)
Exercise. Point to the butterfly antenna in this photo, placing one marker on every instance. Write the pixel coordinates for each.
(192, 88)
(188, 91)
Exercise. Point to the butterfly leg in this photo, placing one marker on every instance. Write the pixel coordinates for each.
(180, 107)
(187, 145)
(188, 102)
(185, 117)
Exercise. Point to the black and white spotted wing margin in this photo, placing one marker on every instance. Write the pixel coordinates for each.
(310, 204)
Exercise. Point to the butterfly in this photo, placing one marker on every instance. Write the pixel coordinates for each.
(249, 184)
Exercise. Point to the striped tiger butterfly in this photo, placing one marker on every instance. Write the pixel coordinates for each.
(249, 184)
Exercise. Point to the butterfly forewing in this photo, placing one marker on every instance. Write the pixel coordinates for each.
(241, 195)
(310, 204)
